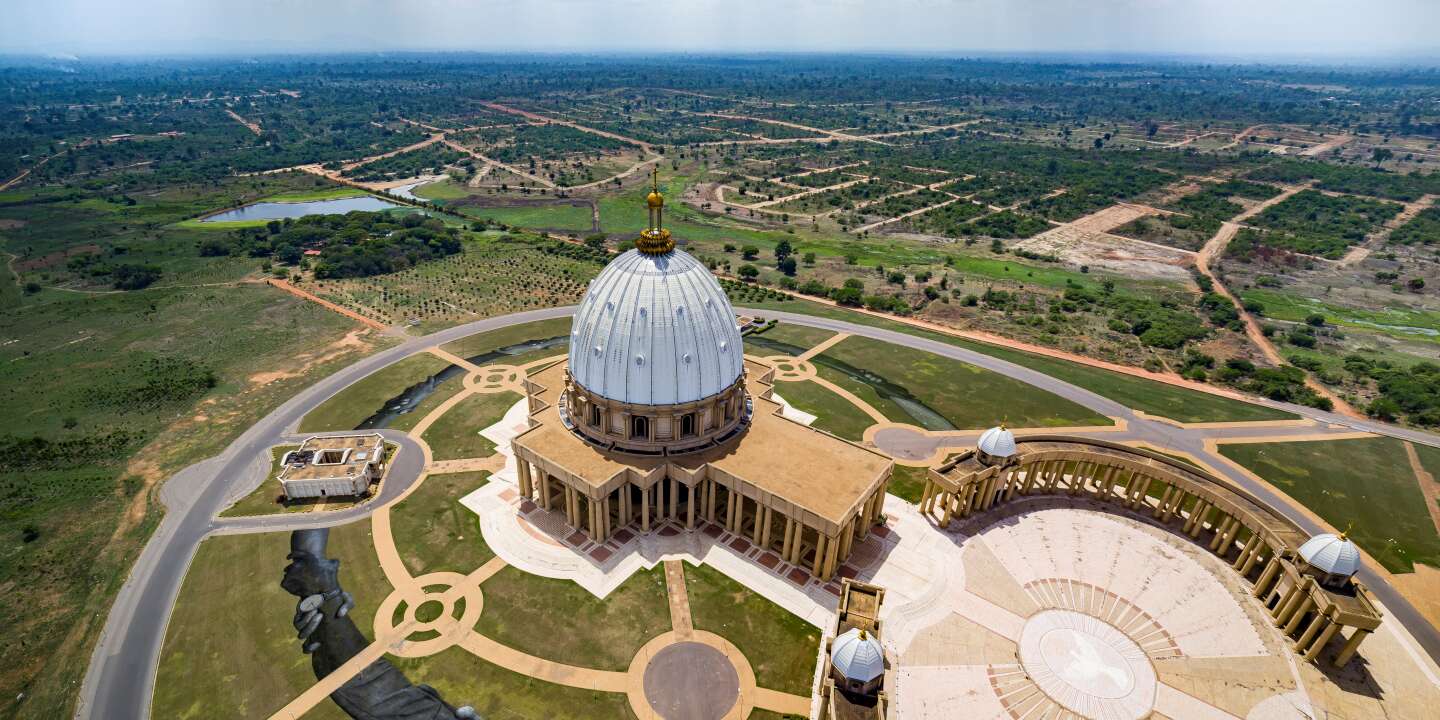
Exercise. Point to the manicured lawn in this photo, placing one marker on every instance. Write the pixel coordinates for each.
(758, 714)
(501, 694)
(434, 532)
(456, 434)
(561, 621)
(785, 339)
(832, 412)
(780, 646)
(230, 642)
(350, 407)
(1150, 396)
(481, 343)
(908, 483)
(965, 395)
(1367, 482)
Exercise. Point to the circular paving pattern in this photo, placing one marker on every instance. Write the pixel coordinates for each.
(691, 681)
(1087, 665)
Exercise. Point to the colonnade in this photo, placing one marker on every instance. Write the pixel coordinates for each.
(799, 538)
(1233, 526)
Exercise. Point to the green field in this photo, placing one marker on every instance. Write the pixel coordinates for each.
(456, 434)
(1396, 321)
(434, 532)
(1149, 396)
(780, 646)
(501, 694)
(350, 407)
(832, 413)
(966, 395)
(569, 218)
(230, 642)
(908, 483)
(785, 339)
(1365, 485)
(559, 620)
(481, 343)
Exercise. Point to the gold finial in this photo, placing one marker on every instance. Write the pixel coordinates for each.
(1348, 527)
(655, 239)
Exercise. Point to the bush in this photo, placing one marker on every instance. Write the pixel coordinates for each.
(749, 272)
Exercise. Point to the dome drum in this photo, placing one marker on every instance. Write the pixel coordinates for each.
(668, 429)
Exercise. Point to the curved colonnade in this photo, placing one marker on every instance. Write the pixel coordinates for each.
(1259, 544)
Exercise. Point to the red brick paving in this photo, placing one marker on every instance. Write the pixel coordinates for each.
(600, 553)
(713, 531)
(798, 576)
(576, 538)
(740, 545)
(769, 560)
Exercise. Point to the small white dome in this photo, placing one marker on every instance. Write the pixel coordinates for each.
(997, 442)
(858, 655)
(1331, 554)
(658, 330)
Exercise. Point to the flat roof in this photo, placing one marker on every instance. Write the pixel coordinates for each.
(810, 469)
(364, 450)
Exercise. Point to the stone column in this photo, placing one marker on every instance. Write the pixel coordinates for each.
(1164, 501)
(847, 538)
(692, 501)
(1318, 623)
(1351, 645)
(674, 498)
(1262, 584)
(1306, 603)
(524, 476)
(1245, 559)
(765, 532)
(949, 500)
(1143, 492)
(1192, 522)
(759, 522)
(820, 544)
(605, 513)
(832, 547)
(1325, 635)
(545, 490)
(710, 503)
(1287, 603)
(789, 538)
(1220, 531)
(645, 510)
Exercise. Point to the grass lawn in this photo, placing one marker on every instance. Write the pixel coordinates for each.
(832, 412)
(561, 621)
(786, 339)
(759, 714)
(965, 395)
(350, 407)
(482, 343)
(434, 532)
(500, 694)
(780, 646)
(230, 643)
(1150, 396)
(1367, 482)
(570, 218)
(908, 483)
(456, 434)
(331, 193)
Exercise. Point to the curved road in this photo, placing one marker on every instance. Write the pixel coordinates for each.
(121, 676)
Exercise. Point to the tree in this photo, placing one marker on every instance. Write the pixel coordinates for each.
(1380, 155)
(787, 265)
(809, 258)
(749, 272)
(783, 249)
(749, 252)
(1416, 284)
(1315, 320)
(847, 295)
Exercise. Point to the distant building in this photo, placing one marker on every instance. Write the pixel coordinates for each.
(333, 466)
(852, 685)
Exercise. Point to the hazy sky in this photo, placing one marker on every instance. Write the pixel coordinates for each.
(1306, 28)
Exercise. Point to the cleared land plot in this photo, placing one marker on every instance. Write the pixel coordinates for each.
(456, 435)
(1313, 223)
(350, 407)
(780, 646)
(230, 643)
(915, 386)
(1365, 485)
(487, 279)
(561, 621)
(501, 694)
(434, 532)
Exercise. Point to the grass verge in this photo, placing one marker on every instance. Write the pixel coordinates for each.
(780, 646)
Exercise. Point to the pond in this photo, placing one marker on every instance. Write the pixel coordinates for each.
(415, 394)
(282, 210)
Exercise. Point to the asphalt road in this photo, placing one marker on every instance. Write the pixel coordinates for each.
(121, 676)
